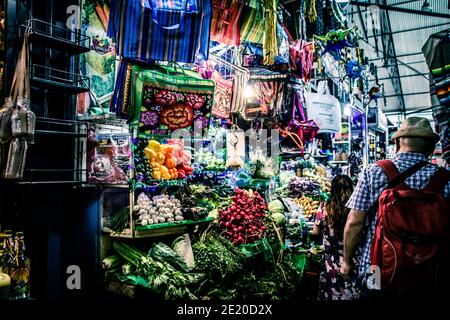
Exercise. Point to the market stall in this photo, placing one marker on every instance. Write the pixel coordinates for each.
(208, 134)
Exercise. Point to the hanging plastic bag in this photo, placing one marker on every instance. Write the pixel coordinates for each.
(15, 164)
(324, 109)
(23, 119)
(5, 121)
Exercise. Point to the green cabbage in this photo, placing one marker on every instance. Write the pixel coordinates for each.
(279, 218)
(276, 206)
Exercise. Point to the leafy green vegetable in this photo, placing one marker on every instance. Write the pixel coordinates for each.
(279, 218)
(162, 252)
(275, 206)
(120, 219)
(160, 275)
(216, 256)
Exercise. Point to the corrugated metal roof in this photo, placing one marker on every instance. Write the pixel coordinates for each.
(410, 31)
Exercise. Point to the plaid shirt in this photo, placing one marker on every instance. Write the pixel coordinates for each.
(371, 184)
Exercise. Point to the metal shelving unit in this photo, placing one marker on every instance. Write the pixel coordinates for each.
(49, 43)
(52, 132)
(56, 37)
(50, 78)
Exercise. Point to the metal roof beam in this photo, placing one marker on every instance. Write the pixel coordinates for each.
(394, 72)
(413, 62)
(402, 55)
(411, 111)
(363, 26)
(408, 94)
(404, 2)
(415, 29)
(401, 9)
(407, 76)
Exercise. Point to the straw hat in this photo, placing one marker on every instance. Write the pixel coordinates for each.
(416, 127)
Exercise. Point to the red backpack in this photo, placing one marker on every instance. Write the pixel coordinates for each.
(412, 234)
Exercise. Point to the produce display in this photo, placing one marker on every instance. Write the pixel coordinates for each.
(309, 205)
(243, 221)
(217, 257)
(299, 186)
(162, 270)
(198, 200)
(161, 161)
(159, 209)
(209, 161)
(261, 166)
(276, 209)
(252, 249)
(319, 175)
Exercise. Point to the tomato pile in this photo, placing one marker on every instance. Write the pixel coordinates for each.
(243, 221)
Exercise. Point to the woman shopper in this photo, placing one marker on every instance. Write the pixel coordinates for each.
(330, 223)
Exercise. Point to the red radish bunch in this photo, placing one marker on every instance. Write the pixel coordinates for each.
(243, 221)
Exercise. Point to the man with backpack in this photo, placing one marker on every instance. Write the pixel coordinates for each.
(402, 208)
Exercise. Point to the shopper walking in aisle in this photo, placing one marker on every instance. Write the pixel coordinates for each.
(406, 201)
(331, 225)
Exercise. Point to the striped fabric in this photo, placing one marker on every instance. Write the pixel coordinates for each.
(240, 81)
(252, 29)
(165, 30)
(270, 47)
(225, 21)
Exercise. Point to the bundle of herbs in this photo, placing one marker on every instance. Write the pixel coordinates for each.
(172, 282)
(216, 257)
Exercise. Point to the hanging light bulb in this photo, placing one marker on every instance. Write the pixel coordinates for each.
(249, 91)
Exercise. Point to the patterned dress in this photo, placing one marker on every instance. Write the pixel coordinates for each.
(331, 284)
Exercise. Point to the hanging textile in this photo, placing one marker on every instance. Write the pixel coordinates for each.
(264, 92)
(225, 22)
(301, 57)
(168, 99)
(239, 84)
(222, 96)
(283, 45)
(291, 89)
(120, 98)
(252, 29)
(270, 43)
(299, 129)
(437, 54)
(166, 30)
